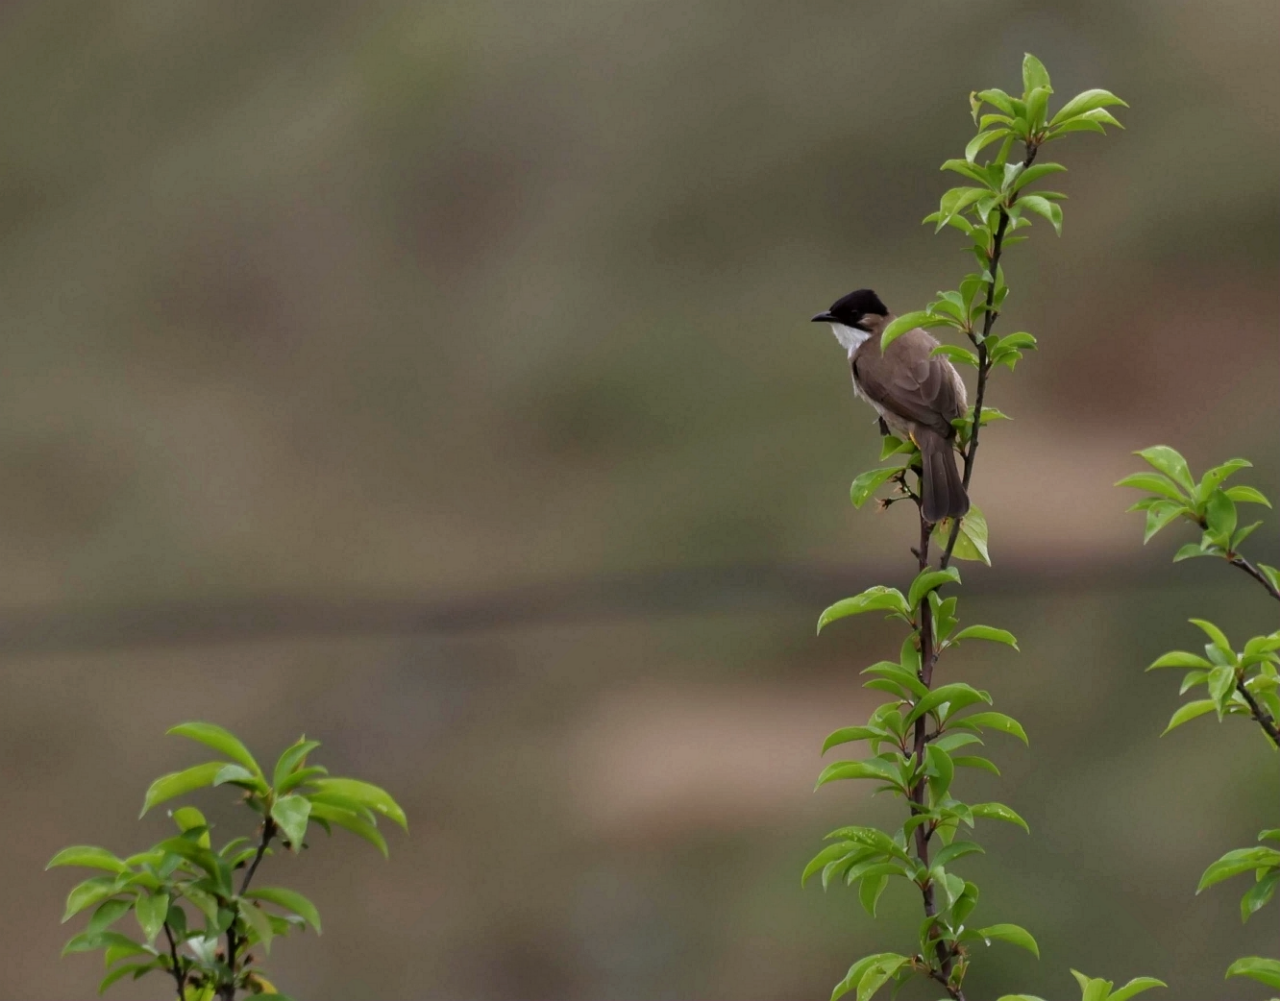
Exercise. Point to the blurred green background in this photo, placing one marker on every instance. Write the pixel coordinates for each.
(436, 379)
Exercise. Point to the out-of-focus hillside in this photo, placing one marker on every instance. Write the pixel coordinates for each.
(436, 378)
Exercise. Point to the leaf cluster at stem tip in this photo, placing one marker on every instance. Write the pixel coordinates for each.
(183, 892)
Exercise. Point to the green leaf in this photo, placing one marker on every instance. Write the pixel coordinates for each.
(346, 819)
(257, 920)
(1136, 986)
(1155, 483)
(975, 146)
(957, 695)
(1013, 934)
(986, 633)
(928, 580)
(1246, 495)
(872, 768)
(1235, 862)
(92, 891)
(878, 974)
(856, 971)
(85, 942)
(851, 733)
(1220, 513)
(971, 543)
(1265, 970)
(292, 757)
(290, 900)
(1192, 550)
(1259, 894)
(180, 783)
(151, 910)
(1189, 712)
(865, 484)
(1034, 173)
(909, 321)
(973, 761)
(1160, 514)
(955, 850)
(120, 972)
(239, 775)
(1215, 634)
(220, 740)
(291, 813)
(1085, 101)
(107, 914)
(957, 354)
(1212, 479)
(941, 770)
(1033, 74)
(376, 799)
(997, 99)
(88, 856)
(1180, 658)
(997, 721)
(872, 599)
(891, 446)
(869, 891)
(825, 857)
(998, 811)
(1171, 463)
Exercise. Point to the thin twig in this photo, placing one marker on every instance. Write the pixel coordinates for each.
(1261, 715)
(1236, 560)
(984, 362)
(178, 971)
(268, 832)
(227, 991)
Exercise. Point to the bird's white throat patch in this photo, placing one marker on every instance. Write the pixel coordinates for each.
(851, 338)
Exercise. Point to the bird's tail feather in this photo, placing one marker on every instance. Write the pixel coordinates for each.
(944, 495)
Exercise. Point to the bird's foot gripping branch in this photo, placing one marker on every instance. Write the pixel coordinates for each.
(925, 735)
(193, 923)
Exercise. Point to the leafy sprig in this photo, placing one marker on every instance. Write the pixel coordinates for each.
(183, 888)
(920, 737)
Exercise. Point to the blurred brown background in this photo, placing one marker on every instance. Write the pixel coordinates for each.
(436, 379)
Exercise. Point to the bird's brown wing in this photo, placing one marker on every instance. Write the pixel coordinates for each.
(910, 382)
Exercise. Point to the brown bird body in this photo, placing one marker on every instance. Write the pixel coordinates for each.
(916, 393)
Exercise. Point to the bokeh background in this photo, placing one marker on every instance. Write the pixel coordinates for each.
(436, 379)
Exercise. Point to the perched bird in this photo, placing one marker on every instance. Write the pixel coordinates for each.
(917, 394)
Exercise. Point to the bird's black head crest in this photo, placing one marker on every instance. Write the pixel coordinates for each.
(852, 307)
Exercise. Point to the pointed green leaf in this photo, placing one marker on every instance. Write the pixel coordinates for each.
(1246, 495)
(957, 695)
(346, 819)
(151, 910)
(1136, 986)
(1265, 970)
(376, 799)
(998, 811)
(291, 813)
(1180, 658)
(872, 599)
(1189, 712)
(1218, 637)
(928, 580)
(1235, 862)
(290, 900)
(1085, 101)
(1171, 463)
(107, 914)
(1261, 892)
(909, 321)
(92, 891)
(1013, 934)
(867, 483)
(179, 783)
(220, 740)
(997, 721)
(869, 891)
(872, 768)
(89, 857)
(986, 633)
(257, 920)
(1155, 483)
(851, 733)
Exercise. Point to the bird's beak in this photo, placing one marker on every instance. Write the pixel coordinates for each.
(823, 318)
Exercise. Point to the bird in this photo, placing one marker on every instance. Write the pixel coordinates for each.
(916, 393)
